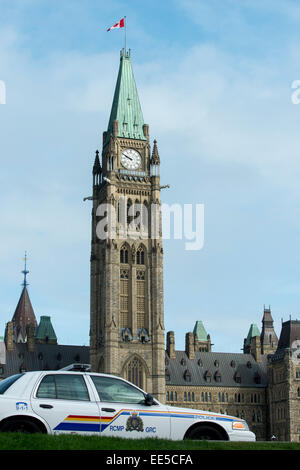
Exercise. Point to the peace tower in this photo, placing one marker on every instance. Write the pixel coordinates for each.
(127, 313)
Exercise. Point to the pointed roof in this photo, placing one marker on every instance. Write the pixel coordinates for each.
(155, 155)
(24, 315)
(97, 166)
(253, 331)
(200, 331)
(45, 330)
(126, 108)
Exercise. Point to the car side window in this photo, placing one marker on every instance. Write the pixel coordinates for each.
(115, 390)
(63, 387)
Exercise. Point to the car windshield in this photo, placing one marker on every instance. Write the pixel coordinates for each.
(6, 383)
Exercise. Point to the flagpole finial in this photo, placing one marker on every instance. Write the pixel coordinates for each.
(25, 271)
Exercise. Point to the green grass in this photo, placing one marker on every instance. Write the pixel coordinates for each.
(18, 441)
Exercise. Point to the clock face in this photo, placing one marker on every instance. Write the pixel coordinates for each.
(131, 159)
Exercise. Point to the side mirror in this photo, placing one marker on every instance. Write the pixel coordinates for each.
(149, 401)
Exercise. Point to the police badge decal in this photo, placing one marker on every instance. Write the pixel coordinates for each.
(134, 423)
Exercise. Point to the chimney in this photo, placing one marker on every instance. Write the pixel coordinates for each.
(171, 344)
(146, 131)
(255, 348)
(189, 345)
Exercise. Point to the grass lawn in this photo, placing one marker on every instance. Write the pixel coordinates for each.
(18, 441)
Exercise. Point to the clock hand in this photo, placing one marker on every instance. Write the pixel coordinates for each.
(128, 157)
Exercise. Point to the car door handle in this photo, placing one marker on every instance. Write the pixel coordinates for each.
(45, 406)
(109, 410)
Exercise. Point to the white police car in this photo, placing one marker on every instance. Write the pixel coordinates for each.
(56, 402)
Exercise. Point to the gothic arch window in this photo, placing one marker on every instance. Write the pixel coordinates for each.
(140, 255)
(135, 372)
(140, 299)
(124, 298)
(124, 257)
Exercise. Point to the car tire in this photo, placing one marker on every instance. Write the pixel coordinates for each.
(205, 433)
(20, 425)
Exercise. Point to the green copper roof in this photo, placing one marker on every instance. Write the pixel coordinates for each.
(45, 329)
(126, 108)
(199, 330)
(253, 331)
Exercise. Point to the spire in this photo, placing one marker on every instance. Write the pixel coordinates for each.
(126, 108)
(155, 160)
(97, 166)
(24, 313)
(25, 272)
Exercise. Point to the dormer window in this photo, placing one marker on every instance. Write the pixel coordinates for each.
(187, 376)
(207, 376)
(237, 377)
(218, 376)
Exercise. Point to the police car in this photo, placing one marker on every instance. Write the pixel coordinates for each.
(81, 402)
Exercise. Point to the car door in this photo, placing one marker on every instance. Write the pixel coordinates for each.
(123, 411)
(67, 404)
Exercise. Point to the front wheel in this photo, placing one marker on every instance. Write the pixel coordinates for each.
(205, 433)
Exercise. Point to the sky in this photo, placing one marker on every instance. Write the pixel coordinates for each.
(215, 83)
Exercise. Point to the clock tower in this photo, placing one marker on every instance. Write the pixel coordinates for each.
(127, 315)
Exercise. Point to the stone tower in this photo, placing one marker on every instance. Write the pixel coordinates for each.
(127, 315)
(268, 337)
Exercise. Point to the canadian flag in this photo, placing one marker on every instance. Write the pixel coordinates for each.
(121, 24)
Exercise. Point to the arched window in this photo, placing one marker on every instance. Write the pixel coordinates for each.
(124, 255)
(140, 299)
(124, 298)
(140, 255)
(135, 373)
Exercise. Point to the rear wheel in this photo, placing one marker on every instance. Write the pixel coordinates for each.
(205, 433)
(20, 425)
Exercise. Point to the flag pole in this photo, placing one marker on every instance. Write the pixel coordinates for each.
(125, 32)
